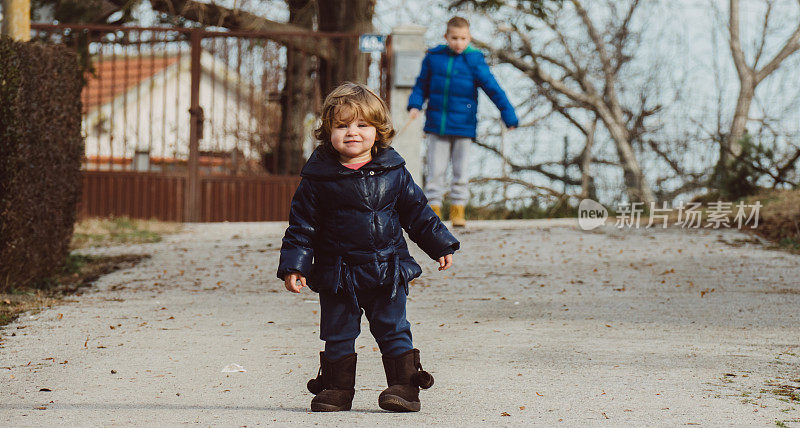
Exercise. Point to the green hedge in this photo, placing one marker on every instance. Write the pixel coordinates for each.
(40, 156)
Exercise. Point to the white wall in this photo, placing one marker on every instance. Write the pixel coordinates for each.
(162, 124)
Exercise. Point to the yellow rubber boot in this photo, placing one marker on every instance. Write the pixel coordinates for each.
(437, 209)
(457, 215)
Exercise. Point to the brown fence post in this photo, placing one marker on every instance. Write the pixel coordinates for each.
(195, 129)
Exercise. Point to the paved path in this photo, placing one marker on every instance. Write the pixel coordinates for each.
(538, 322)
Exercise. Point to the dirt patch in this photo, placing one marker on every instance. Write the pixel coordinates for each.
(115, 231)
(80, 271)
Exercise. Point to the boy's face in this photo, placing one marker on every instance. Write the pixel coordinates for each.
(458, 38)
(353, 141)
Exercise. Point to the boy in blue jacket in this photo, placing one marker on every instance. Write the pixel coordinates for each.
(449, 79)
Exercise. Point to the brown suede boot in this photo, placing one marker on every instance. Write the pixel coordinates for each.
(405, 377)
(334, 385)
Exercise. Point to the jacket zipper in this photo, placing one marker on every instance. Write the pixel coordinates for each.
(366, 195)
(446, 94)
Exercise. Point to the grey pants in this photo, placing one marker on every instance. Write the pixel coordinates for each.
(441, 150)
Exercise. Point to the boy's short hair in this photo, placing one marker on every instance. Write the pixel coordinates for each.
(457, 22)
(351, 101)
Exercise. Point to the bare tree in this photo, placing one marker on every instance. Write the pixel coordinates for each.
(750, 76)
(579, 71)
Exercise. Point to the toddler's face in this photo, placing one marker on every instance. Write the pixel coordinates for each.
(458, 38)
(353, 140)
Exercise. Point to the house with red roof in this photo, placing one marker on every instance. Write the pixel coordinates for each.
(136, 115)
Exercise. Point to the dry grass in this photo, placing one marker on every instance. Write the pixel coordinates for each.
(13, 304)
(779, 219)
(79, 272)
(121, 230)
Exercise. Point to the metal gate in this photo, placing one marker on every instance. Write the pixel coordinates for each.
(180, 123)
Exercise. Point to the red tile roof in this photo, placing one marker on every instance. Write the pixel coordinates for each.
(117, 75)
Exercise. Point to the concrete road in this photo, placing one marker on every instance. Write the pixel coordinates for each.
(538, 322)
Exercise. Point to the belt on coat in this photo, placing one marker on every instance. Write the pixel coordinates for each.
(347, 261)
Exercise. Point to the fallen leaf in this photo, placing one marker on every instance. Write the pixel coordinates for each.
(540, 395)
(45, 390)
(505, 414)
(60, 316)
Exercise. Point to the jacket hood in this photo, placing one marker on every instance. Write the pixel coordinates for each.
(324, 165)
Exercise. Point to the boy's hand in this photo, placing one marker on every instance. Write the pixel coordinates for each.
(413, 113)
(445, 262)
(291, 282)
(511, 128)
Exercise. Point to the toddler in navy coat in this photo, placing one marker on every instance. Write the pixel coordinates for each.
(345, 241)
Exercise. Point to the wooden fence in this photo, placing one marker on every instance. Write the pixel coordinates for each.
(161, 196)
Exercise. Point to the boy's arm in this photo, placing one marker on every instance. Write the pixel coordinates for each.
(423, 225)
(297, 251)
(421, 88)
(489, 85)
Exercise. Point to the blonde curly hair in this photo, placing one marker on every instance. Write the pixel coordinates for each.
(353, 101)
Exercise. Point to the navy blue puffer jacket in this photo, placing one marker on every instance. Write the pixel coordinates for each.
(450, 83)
(346, 226)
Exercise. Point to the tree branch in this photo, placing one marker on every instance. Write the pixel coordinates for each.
(736, 44)
(211, 14)
(509, 180)
(789, 165)
(791, 45)
(764, 29)
(609, 76)
(537, 167)
(537, 74)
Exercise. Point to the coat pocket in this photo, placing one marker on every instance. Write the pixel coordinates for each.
(326, 278)
(409, 269)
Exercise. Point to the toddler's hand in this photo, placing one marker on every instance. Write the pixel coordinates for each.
(445, 262)
(413, 113)
(291, 282)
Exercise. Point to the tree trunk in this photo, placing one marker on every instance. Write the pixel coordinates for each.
(587, 179)
(740, 116)
(296, 99)
(636, 185)
(16, 19)
(349, 65)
